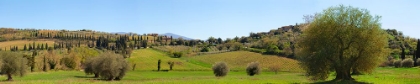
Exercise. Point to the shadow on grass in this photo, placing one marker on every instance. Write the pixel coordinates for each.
(93, 78)
(341, 82)
(84, 76)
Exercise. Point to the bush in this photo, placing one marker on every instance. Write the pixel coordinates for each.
(206, 49)
(109, 66)
(274, 68)
(220, 69)
(177, 54)
(397, 63)
(418, 61)
(171, 65)
(68, 62)
(253, 68)
(408, 63)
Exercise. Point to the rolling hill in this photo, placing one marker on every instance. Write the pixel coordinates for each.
(238, 60)
(147, 59)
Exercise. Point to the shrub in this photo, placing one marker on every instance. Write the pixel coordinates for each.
(108, 65)
(274, 68)
(391, 62)
(177, 54)
(387, 63)
(397, 63)
(68, 62)
(220, 69)
(253, 68)
(408, 63)
(171, 65)
(418, 61)
(206, 49)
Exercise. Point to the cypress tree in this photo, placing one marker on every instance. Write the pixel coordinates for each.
(417, 53)
(46, 45)
(402, 53)
(42, 46)
(24, 47)
(159, 61)
(30, 47)
(33, 46)
(38, 47)
(32, 60)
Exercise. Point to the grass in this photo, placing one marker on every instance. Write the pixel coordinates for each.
(147, 59)
(20, 43)
(238, 60)
(380, 76)
(196, 70)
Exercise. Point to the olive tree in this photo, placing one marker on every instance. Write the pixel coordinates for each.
(253, 68)
(108, 65)
(220, 69)
(342, 39)
(12, 63)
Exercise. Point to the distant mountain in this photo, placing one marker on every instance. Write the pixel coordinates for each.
(119, 32)
(177, 36)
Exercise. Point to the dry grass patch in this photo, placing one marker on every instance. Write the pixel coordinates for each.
(238, 60)
(20, 43)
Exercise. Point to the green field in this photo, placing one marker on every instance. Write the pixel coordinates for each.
(380, 76)
(147, 59)
(196, 70)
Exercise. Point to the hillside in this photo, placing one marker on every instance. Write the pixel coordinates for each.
(147, 59)
(21, 43)
(238, 60)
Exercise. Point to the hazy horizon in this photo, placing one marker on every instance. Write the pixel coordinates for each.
(192, 18)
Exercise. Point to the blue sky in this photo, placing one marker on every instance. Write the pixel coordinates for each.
(197, 19)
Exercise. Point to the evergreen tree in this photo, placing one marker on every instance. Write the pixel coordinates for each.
(42, 46)
(38, 47)
(24, 47)
(417, 53)
(402, 53)
(30, 47)
(46, 45)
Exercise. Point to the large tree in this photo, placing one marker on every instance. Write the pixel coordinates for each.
(342, 39)
(12, 63)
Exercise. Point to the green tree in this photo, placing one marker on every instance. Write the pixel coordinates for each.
(108, 65)
(341, 39)
(220, 69)
(24, 48)
(12, 64)
(159, 61)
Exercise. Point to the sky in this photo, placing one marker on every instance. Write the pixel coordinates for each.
(198, 19)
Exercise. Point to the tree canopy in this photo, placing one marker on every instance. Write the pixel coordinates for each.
(342, 39)
(12, 63)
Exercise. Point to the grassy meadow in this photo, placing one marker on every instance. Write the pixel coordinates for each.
(197, 70)
(380, 76)
(147, 59)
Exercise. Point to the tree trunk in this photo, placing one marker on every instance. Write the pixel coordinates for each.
(9, 77)
(356, 72)
(117, 78)
(96, 75)
(343, 74)
(110, 78)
